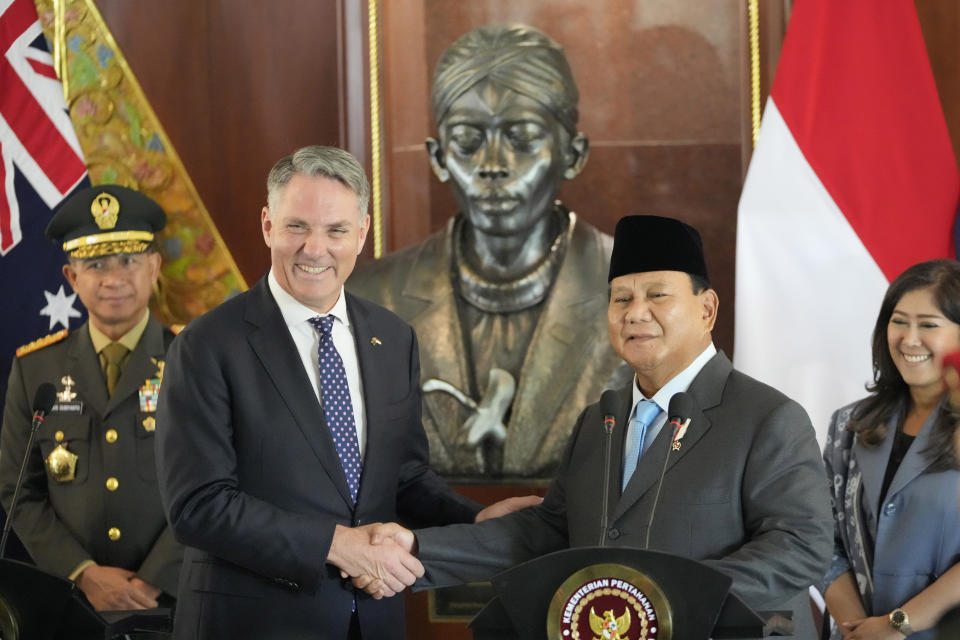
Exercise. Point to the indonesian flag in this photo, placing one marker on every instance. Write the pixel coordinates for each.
(852, 181)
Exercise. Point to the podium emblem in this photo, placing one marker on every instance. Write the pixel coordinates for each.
(609, 602)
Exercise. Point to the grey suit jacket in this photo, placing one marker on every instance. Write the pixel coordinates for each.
(251, 481)
(914, 538)
(745, 494)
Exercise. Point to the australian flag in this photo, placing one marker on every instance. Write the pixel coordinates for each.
(40, 164)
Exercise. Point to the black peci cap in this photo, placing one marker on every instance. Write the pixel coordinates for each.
(655, 243)
(104, 220)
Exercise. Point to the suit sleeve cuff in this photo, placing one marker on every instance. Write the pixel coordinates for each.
(80, 569)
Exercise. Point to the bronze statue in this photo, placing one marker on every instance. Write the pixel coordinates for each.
(509, 300)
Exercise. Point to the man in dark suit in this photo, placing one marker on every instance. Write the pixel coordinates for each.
(89, 509)
(289, 418)
(744, 492)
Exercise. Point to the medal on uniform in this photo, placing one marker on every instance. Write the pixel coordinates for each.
(150, 390)
(148, 395)
(62, 464)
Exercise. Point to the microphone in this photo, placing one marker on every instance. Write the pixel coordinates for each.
(680, 410)
(43, 400)
(609, 404)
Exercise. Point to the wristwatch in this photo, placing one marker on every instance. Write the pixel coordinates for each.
(900, 621)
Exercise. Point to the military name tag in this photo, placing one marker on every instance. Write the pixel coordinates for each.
(67, 407)
(149, 393)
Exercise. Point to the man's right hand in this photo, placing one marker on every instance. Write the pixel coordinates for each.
(389, 533)
(110, 588)
(389, 564)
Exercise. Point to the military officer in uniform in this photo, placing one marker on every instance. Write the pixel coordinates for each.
(89, 508)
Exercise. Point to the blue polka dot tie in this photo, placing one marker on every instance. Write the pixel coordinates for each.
(337, 406)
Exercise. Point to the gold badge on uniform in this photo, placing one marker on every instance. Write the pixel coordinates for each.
(150, 424)
(105, 209)
(67, 394)
(62, 464)
(161, 365)
(66, 399)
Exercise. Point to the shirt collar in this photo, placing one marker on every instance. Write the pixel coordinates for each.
(129, 339)
(679, 382)
(295, 312)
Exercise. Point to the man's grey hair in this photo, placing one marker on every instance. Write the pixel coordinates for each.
(319, 161)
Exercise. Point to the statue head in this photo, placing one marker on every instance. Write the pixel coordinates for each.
(505, 105)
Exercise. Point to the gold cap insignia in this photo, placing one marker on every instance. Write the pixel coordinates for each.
(375, 341)
(105, 209)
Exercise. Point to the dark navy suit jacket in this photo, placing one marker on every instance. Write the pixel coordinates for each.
(251, 481)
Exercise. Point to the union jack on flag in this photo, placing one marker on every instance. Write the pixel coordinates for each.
(40, 164)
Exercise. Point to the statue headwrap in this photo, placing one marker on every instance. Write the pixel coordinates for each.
(514, 56)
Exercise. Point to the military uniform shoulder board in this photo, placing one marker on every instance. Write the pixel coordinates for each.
(175, 329)
(40, 343)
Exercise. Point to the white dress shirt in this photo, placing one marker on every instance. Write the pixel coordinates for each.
(305, 337)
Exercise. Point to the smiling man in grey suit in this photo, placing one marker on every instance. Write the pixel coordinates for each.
(744, 493)
(289, 417)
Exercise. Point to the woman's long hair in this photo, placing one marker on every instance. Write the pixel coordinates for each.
(889, 394)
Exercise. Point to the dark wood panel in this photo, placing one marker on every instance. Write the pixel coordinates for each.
(940, 22)
(236, 85)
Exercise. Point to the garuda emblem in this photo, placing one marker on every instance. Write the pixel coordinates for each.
(608, 627)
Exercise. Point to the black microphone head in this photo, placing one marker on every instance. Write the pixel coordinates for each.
(609, 403)
(44, 398)
(681, 406)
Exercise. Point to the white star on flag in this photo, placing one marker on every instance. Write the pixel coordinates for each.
(60, 308)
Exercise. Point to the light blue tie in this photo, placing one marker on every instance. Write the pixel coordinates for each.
(644, 414)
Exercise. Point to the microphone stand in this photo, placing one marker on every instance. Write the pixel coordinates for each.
(656, 496)
(608, 423)
(37, 421)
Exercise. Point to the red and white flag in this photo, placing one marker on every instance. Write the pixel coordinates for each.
(852, 181)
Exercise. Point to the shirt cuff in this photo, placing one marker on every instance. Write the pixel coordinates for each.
(80, 568)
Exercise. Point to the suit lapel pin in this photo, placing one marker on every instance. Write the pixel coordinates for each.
(375, 341)
(681, 431)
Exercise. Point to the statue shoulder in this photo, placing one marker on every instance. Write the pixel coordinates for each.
(40, 343)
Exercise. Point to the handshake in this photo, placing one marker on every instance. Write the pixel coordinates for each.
(381, 558)
(378, 558)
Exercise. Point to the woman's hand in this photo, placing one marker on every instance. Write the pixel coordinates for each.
(875, 628)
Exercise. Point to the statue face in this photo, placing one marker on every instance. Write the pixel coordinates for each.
(505, 155)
